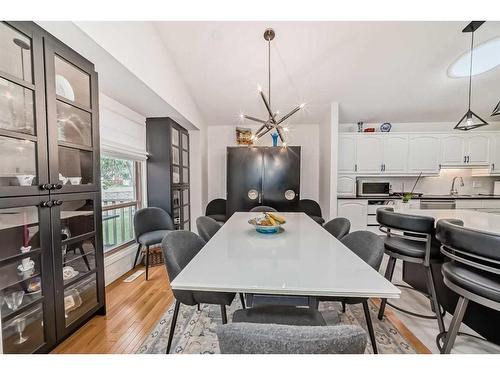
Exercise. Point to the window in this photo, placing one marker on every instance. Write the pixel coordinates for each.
(120, 186)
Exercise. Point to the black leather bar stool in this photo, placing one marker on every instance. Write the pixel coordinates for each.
(410, 238)
(473, 272)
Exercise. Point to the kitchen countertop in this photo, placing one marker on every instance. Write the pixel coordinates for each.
(474, 196)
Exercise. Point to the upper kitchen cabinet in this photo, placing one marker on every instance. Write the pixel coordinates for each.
(347, 154)
(369, 154)
(465, 150)
(424, 153)
(495, 154)
(382, 154)
(23, 148)
(395, 154)
(72, 117)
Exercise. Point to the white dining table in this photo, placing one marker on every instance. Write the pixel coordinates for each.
(303, 259)
(478, 220)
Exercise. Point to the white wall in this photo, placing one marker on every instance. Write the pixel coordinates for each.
(306, 136)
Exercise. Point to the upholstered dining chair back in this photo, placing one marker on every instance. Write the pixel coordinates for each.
(310, 207)
(404, 222)
(179, 247)
(367, 245)
(149, 219)
(254, 338)
(216, 207)
(207, 227)
(338, 227)
(263, 209)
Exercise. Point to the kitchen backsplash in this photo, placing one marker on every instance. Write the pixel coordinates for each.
(440, 185)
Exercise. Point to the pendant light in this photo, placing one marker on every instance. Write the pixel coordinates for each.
(470, 120)
(496, 111)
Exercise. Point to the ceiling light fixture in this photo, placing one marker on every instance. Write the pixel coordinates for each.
(272, 122)
(470, 120)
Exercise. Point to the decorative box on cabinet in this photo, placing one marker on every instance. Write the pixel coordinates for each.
(49, 145)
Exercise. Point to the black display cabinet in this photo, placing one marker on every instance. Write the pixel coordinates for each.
(263, 176)
(168, 168)
(51, 258)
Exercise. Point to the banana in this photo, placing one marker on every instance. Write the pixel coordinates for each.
(280, 219)
(271, 220)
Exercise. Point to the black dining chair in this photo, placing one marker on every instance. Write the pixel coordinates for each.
(207, 227)
(179, 248)
(312, 209)
(263, 209)
(151, 224)
(252, 338)
(338, 227)
(411, 238)
(369, 247)
(216, 209)
(473, 272)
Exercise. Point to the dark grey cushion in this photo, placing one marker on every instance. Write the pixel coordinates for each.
(338, 227)
(179, 248)
(318, 219)
(251, 338)
(220, 218)
(207, 227)
(366, 245)
(309, 207)
(288, 315)
(482, 283)
(407, 247)
(152, 238)
(216, 207)
(150, 219)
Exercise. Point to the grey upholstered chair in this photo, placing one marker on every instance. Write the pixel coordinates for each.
(473, 273)
(411, 238)
(263, 209)
(151, 224)
(179, 248)
(369, 247)
(207, 227)
(253, 338)
(216, 209)
(338, 227)
(312, 209)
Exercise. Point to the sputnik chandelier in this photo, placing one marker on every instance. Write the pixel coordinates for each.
(272, 122)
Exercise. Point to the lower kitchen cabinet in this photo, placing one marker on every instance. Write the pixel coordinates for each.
(51, 268)
(355, 210)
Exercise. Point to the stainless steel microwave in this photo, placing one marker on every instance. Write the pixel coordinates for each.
(373, 188)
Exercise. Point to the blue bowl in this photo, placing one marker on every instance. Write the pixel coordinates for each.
(267, 229)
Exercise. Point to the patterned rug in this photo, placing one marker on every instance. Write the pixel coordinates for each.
(195, 330)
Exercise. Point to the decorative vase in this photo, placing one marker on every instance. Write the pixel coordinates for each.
(275, 139)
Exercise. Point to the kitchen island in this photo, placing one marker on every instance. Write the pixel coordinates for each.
(477, 317)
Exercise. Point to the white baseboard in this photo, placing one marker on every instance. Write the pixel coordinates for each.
(119, 263)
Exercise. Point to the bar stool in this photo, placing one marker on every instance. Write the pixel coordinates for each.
(412, 242)
(473, 272)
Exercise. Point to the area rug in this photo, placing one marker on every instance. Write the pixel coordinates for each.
(195, 332)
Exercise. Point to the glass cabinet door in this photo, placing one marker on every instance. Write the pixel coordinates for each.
(72, 117)
(77, 256)
(23, 149)
(26, 283)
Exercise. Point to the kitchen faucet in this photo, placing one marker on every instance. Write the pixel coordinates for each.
(453, 190)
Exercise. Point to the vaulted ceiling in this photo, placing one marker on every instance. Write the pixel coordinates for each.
(377, 71)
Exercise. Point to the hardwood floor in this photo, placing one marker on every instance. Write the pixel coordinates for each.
(133, 309)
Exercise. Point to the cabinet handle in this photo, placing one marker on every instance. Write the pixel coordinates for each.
(493, 166)
(465, 159)
(57, 186)
(468, 159)
(57, 202)
(356, 167)
(46, 186)
(260, 197)
(47, 204)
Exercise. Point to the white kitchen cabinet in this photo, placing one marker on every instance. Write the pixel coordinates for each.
(495, 154)
(465, 150)
(477, 149)
(347, 154)
(369, 154)
(395, 154)
(346, 186)
(355, 210)
(453, 150)
(424, 153)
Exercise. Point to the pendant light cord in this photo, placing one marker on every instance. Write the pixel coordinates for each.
(269, 69)
(470, 68)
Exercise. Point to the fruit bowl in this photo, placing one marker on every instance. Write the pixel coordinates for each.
(268, 223)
